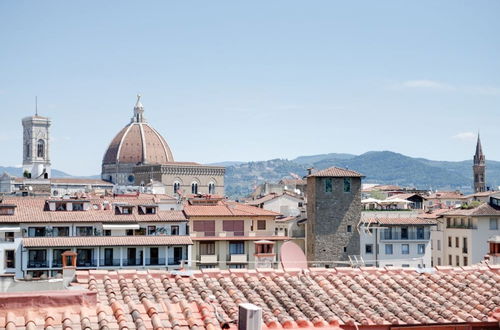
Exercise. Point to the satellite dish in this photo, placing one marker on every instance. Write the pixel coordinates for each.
(292, 257)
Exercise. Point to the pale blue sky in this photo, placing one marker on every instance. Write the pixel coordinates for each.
(233, 80)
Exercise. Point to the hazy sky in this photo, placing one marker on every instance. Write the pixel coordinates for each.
(234, 80)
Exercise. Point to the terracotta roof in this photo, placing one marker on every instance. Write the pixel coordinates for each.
(446, 195)
(482, 210)
(105, 241)
(32, 209)
(293, 182)
(80, 181)
(226, 209)
(336, 172)
(272, 196)
(399, 221)
(482, 194)
(138, 142)
(353, 298)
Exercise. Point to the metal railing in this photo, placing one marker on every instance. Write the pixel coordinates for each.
(400, 237)
(132, 262)
(86, 263)
(38, 264)
(155, 261)
(109, 262)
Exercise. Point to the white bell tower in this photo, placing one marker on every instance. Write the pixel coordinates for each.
(36, 147)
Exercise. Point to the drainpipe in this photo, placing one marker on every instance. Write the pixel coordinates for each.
(376, 247)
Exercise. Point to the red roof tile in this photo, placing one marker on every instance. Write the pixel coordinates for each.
(399, 221)
(336, 172)
(226, 209)
(79, 241)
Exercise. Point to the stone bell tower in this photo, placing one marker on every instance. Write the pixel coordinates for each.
(479, 168)
(36, 146)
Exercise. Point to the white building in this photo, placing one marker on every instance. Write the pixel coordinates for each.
(396, 241)
(461, 238)
(142, 231)
(286, 203)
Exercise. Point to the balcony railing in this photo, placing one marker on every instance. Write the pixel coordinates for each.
(462, 226)
(86, 263)
(109, 262)
(38, 264)
(410, 236)
(237, 258)
(236, 234)
(173, 261)
(132, 262)
(155, 261)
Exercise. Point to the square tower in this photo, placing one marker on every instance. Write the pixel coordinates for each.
(333, 213)
(36, 142)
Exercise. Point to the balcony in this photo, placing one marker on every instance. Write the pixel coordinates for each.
(132, 262)
(237, 258)
(86, 263)
(174, 262)
(461, 226)
(208, 259)
(411, 236)
(38, 264)
(109, 262)
(237, 234)
(155, 261)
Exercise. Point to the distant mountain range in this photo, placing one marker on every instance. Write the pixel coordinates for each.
(383, 167)
(18, 171)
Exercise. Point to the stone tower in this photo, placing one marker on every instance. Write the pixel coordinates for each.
(333, 213)
(36, 146)
(479, 168)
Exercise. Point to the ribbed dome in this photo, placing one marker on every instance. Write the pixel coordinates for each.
(138, 142)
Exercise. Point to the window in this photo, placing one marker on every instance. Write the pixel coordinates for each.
(37, 258)
(77, 206)
(194, 188)
(84, 231)
(40, 148)
(405, 249)
(457, 242)
(349, 228)
(420, 232)
(405, 265)
(345, 249)
(493, 224)
(177, 186)
(236, 227)
(466, 261)
(439, 245)
(36, 231)
(107, 232)
(129, 232)
(388, 249)
(450, 260)
(263, 248)
(205, 226)
(174, 230)
(57, 257)
(448, 222)
(9, 236)
(211, 188)
(6, 210)
(261, 224)
(236, 248)
(421, 248)
(464, 247)
(237, 266)
(439, 262)
(207, 248)
(28, 150)
(449, 241)
(61, 206)
(10, 259)
(61, 231)
(369, 248)
(347, 184)
(404, 232)
(151, 230)
(457, 260)
(328, 185)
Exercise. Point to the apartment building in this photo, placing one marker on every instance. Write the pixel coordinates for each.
(400, 241)
(460, 238)
(231, 235)
(143, 231)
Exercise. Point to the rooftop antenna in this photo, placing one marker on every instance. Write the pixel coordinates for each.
(36, 105)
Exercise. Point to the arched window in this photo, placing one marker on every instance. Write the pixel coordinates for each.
(177, 186)
(211, 188)
(40, 149)
(28, 150)
(194, 188)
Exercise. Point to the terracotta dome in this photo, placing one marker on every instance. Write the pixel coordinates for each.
(138, 143)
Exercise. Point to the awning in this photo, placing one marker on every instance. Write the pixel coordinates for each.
(10, 229)
(123, 226)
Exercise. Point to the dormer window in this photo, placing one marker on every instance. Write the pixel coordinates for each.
(77, 206)
(61, 206)
(123, 209)
(7, 209)
(147, 209)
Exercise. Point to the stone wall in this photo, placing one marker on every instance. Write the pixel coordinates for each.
(329, 215)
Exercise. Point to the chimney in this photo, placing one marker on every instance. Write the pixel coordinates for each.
(249, 317)
(310, 170)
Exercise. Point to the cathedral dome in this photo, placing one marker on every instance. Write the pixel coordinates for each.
(138, 143)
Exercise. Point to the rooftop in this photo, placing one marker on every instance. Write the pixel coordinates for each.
(367, 297)
(336, 172)
(227, 209)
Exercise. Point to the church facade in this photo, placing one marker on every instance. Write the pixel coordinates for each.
(138, 155)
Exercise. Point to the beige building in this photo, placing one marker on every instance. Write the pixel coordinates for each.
(138, 155)
(232, 235)
(461, 236)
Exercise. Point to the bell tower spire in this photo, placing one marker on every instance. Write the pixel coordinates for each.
(479, 167)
